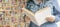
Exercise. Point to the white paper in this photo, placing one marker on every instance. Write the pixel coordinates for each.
(41, 15)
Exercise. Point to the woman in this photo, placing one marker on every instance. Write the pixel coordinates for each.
(35, 5)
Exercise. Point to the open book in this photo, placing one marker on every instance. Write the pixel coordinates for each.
(41, 15)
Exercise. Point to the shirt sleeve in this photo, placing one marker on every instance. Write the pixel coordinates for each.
(54, 7)
(56, 12)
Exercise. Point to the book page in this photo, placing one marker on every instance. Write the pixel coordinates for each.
(41, 15)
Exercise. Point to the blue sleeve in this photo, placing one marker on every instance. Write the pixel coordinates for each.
(56, 13)
(55, 9)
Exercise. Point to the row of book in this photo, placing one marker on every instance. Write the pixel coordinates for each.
(13, 17)
(11, 8)
(11, 0)
(7, 3)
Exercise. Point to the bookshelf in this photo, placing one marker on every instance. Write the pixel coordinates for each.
(10, 12)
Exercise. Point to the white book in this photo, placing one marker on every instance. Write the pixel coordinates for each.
(41, 15)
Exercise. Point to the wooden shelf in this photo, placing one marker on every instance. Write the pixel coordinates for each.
(7, 12)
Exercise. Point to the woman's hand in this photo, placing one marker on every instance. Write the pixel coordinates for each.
(50, 19)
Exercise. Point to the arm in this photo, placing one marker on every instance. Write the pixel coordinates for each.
(55, 9)
(56, 12)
